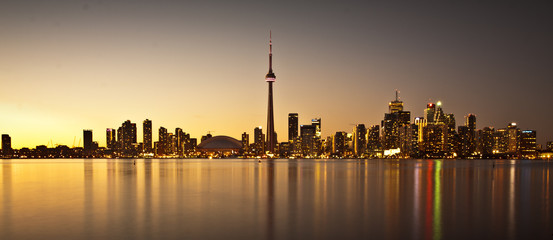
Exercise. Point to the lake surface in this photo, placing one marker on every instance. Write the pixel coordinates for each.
(275, 199)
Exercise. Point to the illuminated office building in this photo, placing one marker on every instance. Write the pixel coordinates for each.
(430, 113)
(501, 141)
(513, 133)
(317, 123)
(396, 105)
(528, 147)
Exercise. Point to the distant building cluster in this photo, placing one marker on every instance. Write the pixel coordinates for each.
(433, 135)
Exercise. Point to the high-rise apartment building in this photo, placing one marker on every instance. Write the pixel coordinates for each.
(147, 135)
(245, 142)
(292, 127)
(163, 141)
(111, 139)
(259, 141)
(359, 140)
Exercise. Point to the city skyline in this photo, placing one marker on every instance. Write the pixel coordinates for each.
(73, 66)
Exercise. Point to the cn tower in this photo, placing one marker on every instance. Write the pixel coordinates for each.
(270, 78)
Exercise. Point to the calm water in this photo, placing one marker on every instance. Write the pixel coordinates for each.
(280, 199)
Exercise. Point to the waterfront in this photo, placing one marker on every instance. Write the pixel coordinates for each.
(275, 199)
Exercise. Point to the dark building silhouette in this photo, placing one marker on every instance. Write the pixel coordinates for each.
(486, 141)
(359, 140)
(6, 145)
(470, 122)
(292, 127)
(245, 142)
(179, 141)
(147, 135)
(87, 141)
(339, 145)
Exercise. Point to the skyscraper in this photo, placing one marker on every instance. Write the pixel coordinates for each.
(245, 142)
(396, 105)
(147, 135)
(292, 127)
(513, 133)
(359, 139)
(128, 136)
(6, 145)
(339, 143)
(259, 141)
(317, 123)
(163, 141)
(308, 140)
(110, 138)
(270, 78)
(470, 122)
(394, 120)
(430, 112)
(373, 140)
(87, 140)
(528, 144)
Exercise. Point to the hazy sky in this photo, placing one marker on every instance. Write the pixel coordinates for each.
(66, 66)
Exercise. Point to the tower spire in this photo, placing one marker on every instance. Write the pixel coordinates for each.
(270, 77)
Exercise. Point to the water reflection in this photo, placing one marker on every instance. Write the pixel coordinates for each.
(276, 199)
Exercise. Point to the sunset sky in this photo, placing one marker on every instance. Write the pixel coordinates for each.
(66, 66)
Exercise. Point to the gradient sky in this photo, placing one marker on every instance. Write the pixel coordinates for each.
(66, 66)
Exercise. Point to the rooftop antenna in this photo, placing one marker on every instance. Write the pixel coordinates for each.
(397, 95)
